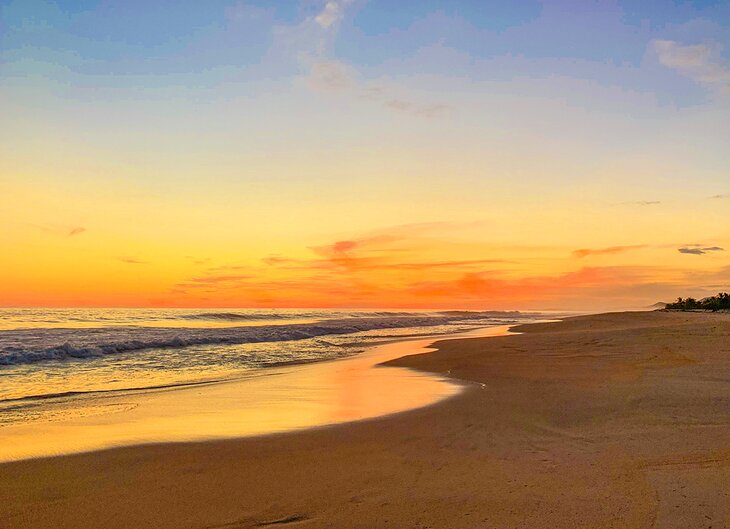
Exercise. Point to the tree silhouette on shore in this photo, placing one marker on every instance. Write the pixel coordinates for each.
(713, 303)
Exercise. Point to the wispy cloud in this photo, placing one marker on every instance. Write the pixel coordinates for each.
(643, 202)
(700, 62)
(585, 252)
(328, 74)
(439, 264)
(373, 263)
(207, 280)
(331, 75)
(408, 107)
(383, 252)
(228, 267)
(131, 260)
(359, 269)
(720, 196)
(197, 260)
(332, 13)
(59, 230)
(487, 285)
(698, 250)
(335, 76)
(344, 248)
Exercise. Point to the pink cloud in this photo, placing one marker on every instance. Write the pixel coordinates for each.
(585, 252)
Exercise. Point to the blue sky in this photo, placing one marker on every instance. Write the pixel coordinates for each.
(194, 38)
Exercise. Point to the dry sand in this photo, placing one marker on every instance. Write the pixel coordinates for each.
(614, 420)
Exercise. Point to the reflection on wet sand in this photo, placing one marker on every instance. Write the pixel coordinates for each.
(283, 399)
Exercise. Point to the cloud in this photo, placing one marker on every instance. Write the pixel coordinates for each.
(440, 264)
(700, 62)
(131, 260)
(336, 76)
(428, 111)
(644, 202)
(721, 196)
(228, 267)
(697, 250)
(486, 285)
(360, 270)
(421, 265)
(332, 13)
(585, 252)
(273, 260)
(198, 260)
(208, 280)
(328, 74)
(445, 264)
(331, 76)
(344, 247)
(61, 230)
(373, 263)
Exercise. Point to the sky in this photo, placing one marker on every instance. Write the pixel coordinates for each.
(568, 155)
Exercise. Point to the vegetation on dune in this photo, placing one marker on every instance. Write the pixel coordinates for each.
(713, 303)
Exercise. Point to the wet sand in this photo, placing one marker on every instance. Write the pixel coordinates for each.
(272, 400)
(616, 420)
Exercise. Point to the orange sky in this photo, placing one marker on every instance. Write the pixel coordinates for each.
(333, 154)
(425, 265)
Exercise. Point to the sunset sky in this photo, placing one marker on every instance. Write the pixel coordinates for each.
(354, 153)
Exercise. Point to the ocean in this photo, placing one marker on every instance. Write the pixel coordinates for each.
(95, 378)
(51, 354)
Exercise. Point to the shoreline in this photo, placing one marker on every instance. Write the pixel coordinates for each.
(256, 404)
(609, 420)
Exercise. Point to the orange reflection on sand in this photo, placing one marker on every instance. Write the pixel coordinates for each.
(277, 400)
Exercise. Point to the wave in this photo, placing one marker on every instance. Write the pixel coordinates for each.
(26, 346)
(484, 313)
(263, 316)
(235, 316)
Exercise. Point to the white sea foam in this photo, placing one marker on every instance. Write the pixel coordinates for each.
(50, 355)
(23, 346)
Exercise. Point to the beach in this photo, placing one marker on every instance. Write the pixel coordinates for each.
(609, 420)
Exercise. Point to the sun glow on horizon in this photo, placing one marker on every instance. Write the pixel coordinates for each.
(344, 154)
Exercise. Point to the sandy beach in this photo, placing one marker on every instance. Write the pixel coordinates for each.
(615, 420)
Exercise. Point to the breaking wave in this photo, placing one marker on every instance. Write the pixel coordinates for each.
(234, 316)
(26, 346)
